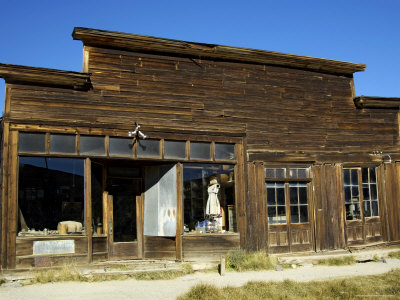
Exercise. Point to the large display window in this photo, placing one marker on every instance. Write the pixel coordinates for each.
(50, 196)
(209, 198)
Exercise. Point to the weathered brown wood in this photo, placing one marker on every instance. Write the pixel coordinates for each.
(12, 201)
(4, 192)
(139, 218)
(240, 192)
(157, 247)
(88, 206)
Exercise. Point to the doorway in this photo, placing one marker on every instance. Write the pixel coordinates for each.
(125, 210)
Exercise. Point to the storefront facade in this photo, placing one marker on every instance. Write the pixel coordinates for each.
(165, 149)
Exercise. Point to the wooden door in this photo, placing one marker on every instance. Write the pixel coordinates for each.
(363, 222)
(125, 218)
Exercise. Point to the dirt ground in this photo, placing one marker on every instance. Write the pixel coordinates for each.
(170, 289)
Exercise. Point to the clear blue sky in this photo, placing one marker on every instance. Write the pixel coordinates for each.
(38, 33)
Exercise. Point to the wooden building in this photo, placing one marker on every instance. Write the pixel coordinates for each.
(237, 148)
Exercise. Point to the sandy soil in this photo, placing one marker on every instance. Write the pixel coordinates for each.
(170, 289)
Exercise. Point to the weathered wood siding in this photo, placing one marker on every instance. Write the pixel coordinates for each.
(280, 109)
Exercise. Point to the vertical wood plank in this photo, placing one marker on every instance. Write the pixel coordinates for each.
(105, 212)
(179, 211)
(139, 214)
(240, 193)
(88, 205)
(110, 224)
(4, 194)
(261, 207)
(382, 196)
(12, 211)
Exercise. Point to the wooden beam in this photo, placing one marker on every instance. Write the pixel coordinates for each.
(179, 212)
(88, 205)
(4, 194)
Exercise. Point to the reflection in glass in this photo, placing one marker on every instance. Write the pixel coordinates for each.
(32, 142)
(174, 149)
(50, 190)
(62, 143)
(200, 150)
(224, 151)
(148, 148)
(197, 179)
(121, 146)
(92, 145)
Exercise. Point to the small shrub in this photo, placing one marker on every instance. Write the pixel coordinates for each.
(338, 261)
(239, 260)
(394, 254)
(203, 291)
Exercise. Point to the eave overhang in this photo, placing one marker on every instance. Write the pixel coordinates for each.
(45, 77)
(147, 44)
(377, 102)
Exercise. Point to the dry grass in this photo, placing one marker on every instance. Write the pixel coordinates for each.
(239, 260)
(361, 287)
(338, 261)
(394, 254)
(71, 273)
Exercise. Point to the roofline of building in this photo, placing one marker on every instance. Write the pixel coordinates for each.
(147, 44)
(45, 77)
(377, 102)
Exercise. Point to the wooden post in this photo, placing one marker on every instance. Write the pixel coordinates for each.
(222, 266)
(88, 205)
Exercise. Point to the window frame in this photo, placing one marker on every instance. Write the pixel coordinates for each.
(287, 180)
(361, 192)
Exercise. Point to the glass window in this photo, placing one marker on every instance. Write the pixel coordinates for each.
(209, 198)
(370, 192)
(32, 142)
(352, 194)
(364, 196)
(62, 143)
(287, 197)
(92, 145)
(50, 191)
(174, 149)
(276, 203)
(121, 146)
(148, 148)
(200, 150)
(224, 151)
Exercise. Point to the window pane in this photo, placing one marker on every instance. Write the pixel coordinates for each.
(149, 148)
(354, 177)
(298, 173)
(375, 209)
(271, 196)
(303, 213)
(346, 175)
(374, 195)
(281, 219)
(200, 150)
(92, 145)
(303, 195)
(32, 142)
(294, 214)
(50, 190)
(347, 194)
(367, 208)
(364, 175)
(62, 143)
(372, 175)
(272, 215)
(353, 211)
(280, 173)
(354, 192)
(121, 146)
(280, 195)
(366, 192)
(224, 151)
(270, 173)
(174, 149)
(293, 195)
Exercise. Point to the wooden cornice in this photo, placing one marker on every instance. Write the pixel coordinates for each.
(147, 44)
(377, 102)
(45, 77)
